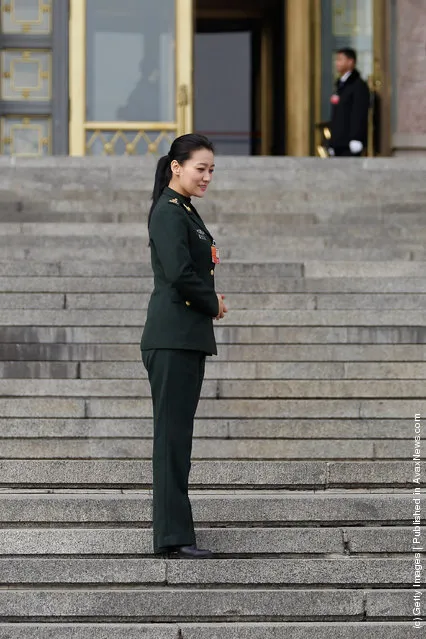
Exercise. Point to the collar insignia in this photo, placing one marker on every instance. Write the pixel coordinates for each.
(188, 208)
(174, 200)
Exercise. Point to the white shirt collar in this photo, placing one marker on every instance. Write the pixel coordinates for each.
(346, 76)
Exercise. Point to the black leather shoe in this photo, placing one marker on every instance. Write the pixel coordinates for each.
(189, 552)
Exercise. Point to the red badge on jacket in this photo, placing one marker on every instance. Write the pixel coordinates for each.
(335, 99)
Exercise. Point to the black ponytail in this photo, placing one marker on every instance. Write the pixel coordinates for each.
(181, 150)
(163, 175)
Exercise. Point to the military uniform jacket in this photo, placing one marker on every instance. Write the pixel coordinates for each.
(183, 303)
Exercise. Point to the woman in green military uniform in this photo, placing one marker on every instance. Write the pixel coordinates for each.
(178, 333)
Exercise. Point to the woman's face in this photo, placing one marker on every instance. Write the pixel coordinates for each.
(194, 175)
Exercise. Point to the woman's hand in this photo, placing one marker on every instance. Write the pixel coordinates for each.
(222, 307)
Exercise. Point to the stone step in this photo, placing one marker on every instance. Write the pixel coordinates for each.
(306, 181)
(48, 407)
(292, 207)
(118, 343)
(124, 172)
(209, 474)
(347, 250)
(136, 178)
(107, 182)
(220, 388)
(232, 541)
(310, 269)
(137, 175)
(231, 248)
(260, 630)
(78, 337)
(238, 449)
(228, 283)
(101, 268)
(407, 351)
(295, 214)
(222, 205)
(191, 604)
(244, 428)
(218, 370)
(300, 229)
(237, 301)
(128, 318)
(230, 239)
(230, 204)
(313, 572)
(234, 253)
(265, 370)
(250, 510)
(120, 167)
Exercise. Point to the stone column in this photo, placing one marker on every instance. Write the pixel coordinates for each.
(410, 81)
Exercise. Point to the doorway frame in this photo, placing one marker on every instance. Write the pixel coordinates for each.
(263, 78)
(78, 125)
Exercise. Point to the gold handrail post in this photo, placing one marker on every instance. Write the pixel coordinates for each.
(370, 143)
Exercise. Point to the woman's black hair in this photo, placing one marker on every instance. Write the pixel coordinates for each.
(181, 150)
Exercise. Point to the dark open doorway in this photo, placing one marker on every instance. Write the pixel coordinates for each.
(239, 75)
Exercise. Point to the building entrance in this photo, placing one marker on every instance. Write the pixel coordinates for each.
(239, 77)
(254, 75)
(138, 69)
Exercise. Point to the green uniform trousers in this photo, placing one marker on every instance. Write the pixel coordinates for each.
(175, 377)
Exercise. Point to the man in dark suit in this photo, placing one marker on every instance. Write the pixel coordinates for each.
(349, 111)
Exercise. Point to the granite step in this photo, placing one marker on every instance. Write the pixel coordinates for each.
(308, 268)
(219, 388)
(233, 253)
(218, 370)
(260, 630)
(191, 604)
(384, 230)
(331, 542)
(38, 342)
(370, 213)
(237, 428)
(208, 475)
(408, 347)
(302, 472)
(237, 301)
(127, 318)
(346, 572)
(238, 449)
(320, 511)
(104, 407)
(229, 283)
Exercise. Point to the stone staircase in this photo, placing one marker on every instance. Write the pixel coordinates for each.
(302, 474)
